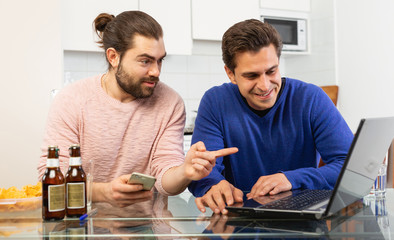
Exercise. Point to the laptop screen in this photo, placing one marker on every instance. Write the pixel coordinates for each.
(367, 152)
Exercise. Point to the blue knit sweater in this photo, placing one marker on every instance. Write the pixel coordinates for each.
(303, 125)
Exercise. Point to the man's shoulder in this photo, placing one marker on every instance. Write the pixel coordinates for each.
(224, 87)
(163, 97)
(298, 83)
(81, 87)
(165, 92)
(303, 93)
(295, 85)
(79, 91)
(165, 101)
(220, 90)
(164, 88)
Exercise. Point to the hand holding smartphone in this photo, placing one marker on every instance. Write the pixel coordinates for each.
(146, 181)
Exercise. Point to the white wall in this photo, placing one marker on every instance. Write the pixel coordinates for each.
(31, 65)
(318, 67)
(365, 50)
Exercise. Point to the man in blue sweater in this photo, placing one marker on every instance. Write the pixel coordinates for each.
(281, 126)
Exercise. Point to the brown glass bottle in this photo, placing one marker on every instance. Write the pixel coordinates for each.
(75, 184)
(53, 188)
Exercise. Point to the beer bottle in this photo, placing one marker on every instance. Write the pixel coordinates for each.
(53, 188)
(75, 184)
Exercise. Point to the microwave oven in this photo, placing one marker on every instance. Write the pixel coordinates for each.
(292, 31)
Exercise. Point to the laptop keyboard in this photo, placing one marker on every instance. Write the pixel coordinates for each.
(300, 201)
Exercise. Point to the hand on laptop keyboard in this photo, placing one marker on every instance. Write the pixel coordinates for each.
(270, 184)
(219, 196)
(299, 201)
(271, 198)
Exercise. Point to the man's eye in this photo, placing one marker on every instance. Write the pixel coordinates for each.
(271, 72)
(145, 61)
(251, 76)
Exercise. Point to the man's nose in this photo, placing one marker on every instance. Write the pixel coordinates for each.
(155, 70)
(263, 83)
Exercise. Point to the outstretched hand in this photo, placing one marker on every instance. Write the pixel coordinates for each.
(199, 162)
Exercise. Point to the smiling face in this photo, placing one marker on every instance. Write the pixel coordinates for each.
(139, 69)
(257, 76)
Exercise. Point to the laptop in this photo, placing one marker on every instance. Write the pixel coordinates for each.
(360, 169)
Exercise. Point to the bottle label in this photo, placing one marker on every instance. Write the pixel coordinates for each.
(52, 162)
(56, 198)
(76, 231)
(75, 161)
(76, 195)
(57, 234)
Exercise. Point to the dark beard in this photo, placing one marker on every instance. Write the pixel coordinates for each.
(133, 86)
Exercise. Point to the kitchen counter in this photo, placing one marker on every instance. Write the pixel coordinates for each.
(177, 217)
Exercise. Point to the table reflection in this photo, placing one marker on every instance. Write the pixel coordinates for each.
(368, 216)
(144, 218)
(229, 226)
(379, 209)
(177, 217)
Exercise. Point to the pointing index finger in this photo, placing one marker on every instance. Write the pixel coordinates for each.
(225, 151)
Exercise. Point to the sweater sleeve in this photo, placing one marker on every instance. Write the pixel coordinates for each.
(332, 138)
(208, 130)
(61, 130)
(168, 150)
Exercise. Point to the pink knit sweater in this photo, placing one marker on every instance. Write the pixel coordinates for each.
(145, 135)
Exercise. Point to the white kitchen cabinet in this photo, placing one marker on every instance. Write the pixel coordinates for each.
(288, 5)
(210, 19)
(77, 21)
(175, 18)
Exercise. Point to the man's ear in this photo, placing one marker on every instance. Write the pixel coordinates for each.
(230, 74)
(113, 57)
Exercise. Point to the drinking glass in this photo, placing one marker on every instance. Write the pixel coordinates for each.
(378, 189)
(380, 182)
(89, 184)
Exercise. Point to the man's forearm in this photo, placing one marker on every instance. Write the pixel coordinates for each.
(174, 180)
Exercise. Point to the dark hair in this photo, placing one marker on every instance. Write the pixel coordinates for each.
(118, 32)
(248, 35)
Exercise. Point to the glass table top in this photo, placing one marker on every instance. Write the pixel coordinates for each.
(176, 217)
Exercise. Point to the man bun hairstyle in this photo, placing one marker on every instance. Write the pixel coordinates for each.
(248, 35)
(101, 22)
(118, 32)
